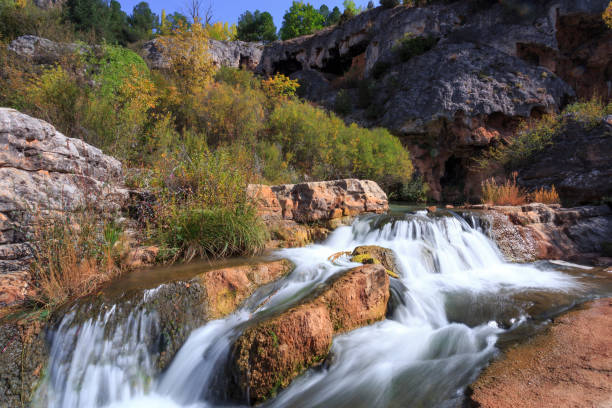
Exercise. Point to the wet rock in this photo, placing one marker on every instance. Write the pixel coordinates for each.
(23, 358)
(372, 254)
(227, 288)
(539, 231)
(318, 201)
(568, 365)
(45, 174)
(269, 355)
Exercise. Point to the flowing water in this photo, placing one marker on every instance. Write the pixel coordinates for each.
(456, 301)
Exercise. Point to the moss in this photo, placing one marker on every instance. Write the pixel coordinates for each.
(365, 259)
(274, 338)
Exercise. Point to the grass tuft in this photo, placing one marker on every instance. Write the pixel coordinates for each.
(508, 193)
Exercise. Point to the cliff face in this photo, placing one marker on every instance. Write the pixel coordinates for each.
(489, 67)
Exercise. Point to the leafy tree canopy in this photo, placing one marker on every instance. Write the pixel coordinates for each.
(256, 26)
(301, 19)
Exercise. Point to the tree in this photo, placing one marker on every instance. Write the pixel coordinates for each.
(370, 5)
(198, 13)
(143, 21)
(351, 7)
(221, 31)
(256, 26)
(104, 19)
(333, 17)
(301, 19)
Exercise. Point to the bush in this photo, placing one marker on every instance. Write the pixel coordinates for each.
(321, 145)
(545, 196)
(215, 232)
(413, 191)
(280, 87)
(73, 257)
(343, 104)
(508, 193)
(411, 46)
(26, 18)
(588, 112)
(241, 78)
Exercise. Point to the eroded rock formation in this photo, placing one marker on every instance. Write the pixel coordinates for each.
(43, 173)
(301, 213)
(470, 89)
(567, 366)
(269, 355)
(538, 231)
(578, 164)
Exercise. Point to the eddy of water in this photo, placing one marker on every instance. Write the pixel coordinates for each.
(416, 357)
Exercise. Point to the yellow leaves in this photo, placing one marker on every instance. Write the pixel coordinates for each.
(187, 52)
(222, 31)
(607, 15)
(279, 86)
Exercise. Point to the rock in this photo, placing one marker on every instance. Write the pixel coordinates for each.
(41, 50)
(318, 201)
(578, 164)
(235, 54)
(537, 231)
(23, 357)
(43, 174)
(372, 254)
(227, 288)
(269, 355)
(568, 365)
(140, 256)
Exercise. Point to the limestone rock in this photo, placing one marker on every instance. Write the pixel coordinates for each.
(568, 365)
(44, 173)
(538, 231)
(235, 54)
(318, 201)
(378, 255)
(41, 50)
(269, 355)
(578, 164)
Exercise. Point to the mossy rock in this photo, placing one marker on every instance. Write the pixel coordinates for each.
(373, 254)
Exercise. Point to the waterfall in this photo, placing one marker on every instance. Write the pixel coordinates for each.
(417, 357)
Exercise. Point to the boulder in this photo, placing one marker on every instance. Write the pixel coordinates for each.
(538, 231)
(318, 201)
(41, 50)
(270, 354)
(372, 254)
(569, 365)
(42, 174)
(234, 54)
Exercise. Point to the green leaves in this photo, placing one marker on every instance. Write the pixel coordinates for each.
(301, 19)
(256, 26)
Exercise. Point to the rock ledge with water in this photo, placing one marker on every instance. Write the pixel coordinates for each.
(568, 366)
(269, 355)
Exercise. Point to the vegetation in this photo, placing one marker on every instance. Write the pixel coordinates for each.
(389, 3)
(411, 46)
(546, 196)
(508, 193)
(256, 26)
(607, 15)
(73, 256)
(301, 19)
(536, 135)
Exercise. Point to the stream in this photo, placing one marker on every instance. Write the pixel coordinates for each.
(457, 302)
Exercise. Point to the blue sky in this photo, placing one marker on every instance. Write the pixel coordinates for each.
(230, 10)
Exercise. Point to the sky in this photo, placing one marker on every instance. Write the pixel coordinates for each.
(230, 10)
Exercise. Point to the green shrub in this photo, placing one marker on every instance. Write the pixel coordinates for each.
(589, 113)
(238, 77)
(215, 232)
(413, 191)
(343, 104)
(321, 145)
(411, 46)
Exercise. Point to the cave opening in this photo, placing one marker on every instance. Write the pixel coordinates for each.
(453, 180)
(287, 66)
(337, 64)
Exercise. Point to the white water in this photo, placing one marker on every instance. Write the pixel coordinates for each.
(416, 358)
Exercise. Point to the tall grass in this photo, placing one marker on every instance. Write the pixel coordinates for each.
(508, 193)
(214, 232)
(73, 257)
(545, 196)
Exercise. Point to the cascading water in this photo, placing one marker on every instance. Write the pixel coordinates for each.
(417, 357)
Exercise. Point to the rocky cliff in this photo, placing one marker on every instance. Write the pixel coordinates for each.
(42, 173)
(470, 89)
